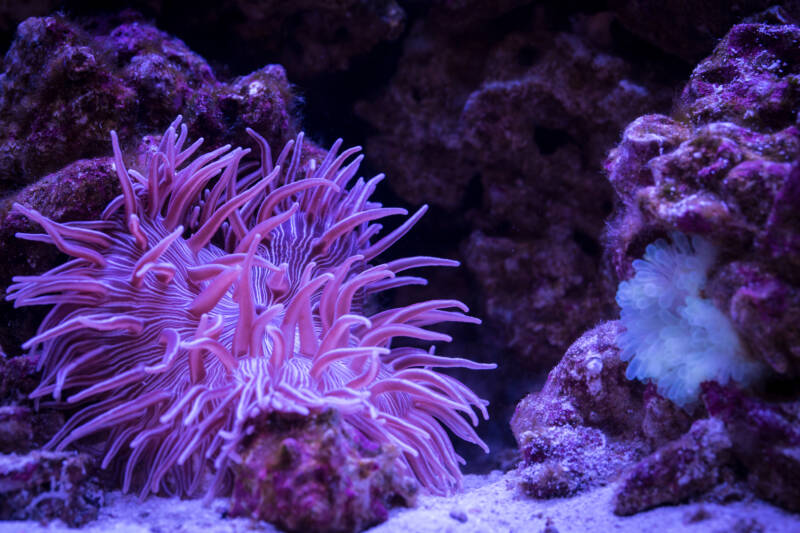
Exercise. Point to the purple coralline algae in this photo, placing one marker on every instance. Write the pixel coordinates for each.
(765, 438)
(688, 466)
(695, 27)
(47, 486)
(317, 474)
(64, 85)
(23, 428)
(309, 37)
(16, 430)
(747, 442)
(18, 378)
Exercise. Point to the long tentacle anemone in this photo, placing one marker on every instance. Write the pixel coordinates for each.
(216, 288)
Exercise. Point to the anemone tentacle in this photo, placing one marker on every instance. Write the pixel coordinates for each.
(217, 288)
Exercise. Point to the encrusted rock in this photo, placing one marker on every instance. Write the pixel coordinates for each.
(46, 486)
(765, 437)
(22, 428)
(17, 378)
(16, 429)
(751, 79)
(558, 461)
(316, 474)
(587, 387)
(589, 422)
(64, 85)
(686, 467)
(726, 167)
(541, 289)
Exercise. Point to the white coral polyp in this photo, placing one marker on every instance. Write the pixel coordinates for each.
(673, 336)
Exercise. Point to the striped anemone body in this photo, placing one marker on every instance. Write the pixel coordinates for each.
(218, 288)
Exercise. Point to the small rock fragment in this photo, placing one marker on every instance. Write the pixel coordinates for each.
(695, 515)
(16, 428)
(549, 526)
(459, 515)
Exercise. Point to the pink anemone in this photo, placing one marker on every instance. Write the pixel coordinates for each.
(216, 289)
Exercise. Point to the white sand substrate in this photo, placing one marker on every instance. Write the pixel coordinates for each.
(487, 504)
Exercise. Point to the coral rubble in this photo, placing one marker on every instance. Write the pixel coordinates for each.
(765, 438)
(689, 466)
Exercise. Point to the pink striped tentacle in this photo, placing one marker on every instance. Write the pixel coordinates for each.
(190, 180)
(260, 324)
(338, 354)
(58, 234)
(216, 348)
(264, 227)
(213, 293)
(424, 359)
(398, 281)
(95, 322)
(129, 199)
(419, 261)
(245, 298)
(327, 304)
(210, 226)
(381, 334)
(266, 152)
(383, 244)
(149, 257)
(334, 336)
(300, 307)
(284, 192)
(344, 300)
(349, 223)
